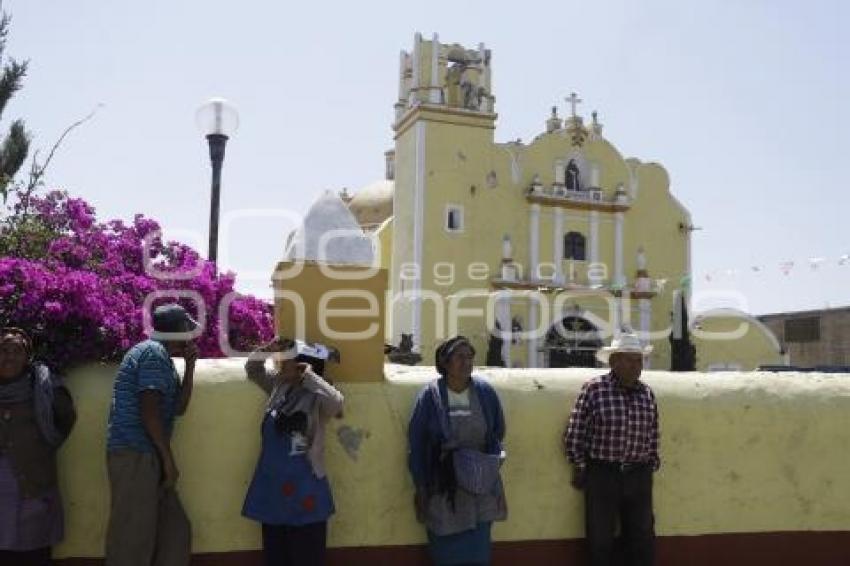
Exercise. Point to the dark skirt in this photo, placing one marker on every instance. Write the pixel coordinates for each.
(300, 545)
(33, 523)
(467, 547)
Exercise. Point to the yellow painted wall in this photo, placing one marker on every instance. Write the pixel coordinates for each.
(359, 313)
(402, 232)
(453, 153)
(749, 344)
(519, 349)
(653, 222)
(384, 235)
(742, 452)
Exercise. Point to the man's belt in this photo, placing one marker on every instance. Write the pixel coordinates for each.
(623, 467)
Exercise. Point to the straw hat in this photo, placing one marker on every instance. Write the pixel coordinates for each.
(625, 343)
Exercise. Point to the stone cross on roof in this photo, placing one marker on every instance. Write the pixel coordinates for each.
(573, 100)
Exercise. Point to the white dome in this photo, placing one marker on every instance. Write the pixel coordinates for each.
(373, 204)
(331, 234)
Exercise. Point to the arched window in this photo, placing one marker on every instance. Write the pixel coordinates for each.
(573, 342)
(574, 246)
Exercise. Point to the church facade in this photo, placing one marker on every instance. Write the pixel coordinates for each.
(539, 252)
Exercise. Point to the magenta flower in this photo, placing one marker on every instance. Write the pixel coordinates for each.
(81, 296)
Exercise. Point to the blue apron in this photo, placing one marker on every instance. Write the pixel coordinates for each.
(284, 490)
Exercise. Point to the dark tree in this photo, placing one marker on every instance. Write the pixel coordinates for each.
(15, 146)
(683, 354)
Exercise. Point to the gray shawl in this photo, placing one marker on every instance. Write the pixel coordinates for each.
(290, 400)
(36, 385)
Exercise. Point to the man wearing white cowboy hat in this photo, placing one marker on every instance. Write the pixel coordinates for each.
(612, 442)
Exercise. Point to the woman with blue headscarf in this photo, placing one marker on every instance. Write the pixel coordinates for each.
(455, 452)
(36, 416)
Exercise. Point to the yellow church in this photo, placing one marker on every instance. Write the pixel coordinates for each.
(539, 252)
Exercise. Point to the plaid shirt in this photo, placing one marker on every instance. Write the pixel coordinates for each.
(613, 424)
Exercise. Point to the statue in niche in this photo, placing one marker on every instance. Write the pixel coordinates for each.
(573, 178)
(482, 98)
(641, 259)
(471, 95)
(494, 348)
(454, 84)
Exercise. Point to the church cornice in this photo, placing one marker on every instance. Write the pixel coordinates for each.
(576, 290)
(574, 204)
(445, 115)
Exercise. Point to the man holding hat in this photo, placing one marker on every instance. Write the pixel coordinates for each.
(147, 523)
(612, 442)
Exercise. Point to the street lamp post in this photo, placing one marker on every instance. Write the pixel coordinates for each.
(217, 120)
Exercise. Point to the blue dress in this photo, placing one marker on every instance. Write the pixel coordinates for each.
(284, 490)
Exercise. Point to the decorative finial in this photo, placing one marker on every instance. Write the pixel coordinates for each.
(643, 284)
(595, 127)
(507, 248)
(509, 271)
(553, 123)
(573, 100)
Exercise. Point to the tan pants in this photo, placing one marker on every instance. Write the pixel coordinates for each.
(147, 524)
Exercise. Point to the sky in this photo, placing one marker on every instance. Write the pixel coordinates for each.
(744, 103)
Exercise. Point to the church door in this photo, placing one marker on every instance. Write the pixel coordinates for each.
(573, 342)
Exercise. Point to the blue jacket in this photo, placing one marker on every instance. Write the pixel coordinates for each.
(425, 435)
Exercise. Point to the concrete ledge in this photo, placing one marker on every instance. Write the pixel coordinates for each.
(744, 455)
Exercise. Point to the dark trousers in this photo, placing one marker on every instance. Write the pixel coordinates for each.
(294, 546)
(612, 493)
(37, 557)
(147, 525)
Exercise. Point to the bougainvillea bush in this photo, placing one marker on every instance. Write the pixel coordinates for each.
(79, 285)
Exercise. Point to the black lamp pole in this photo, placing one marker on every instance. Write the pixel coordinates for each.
(217, 143)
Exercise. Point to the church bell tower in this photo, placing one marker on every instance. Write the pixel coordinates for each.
(444, 113)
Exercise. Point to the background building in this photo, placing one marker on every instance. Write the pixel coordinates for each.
(813, 338)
